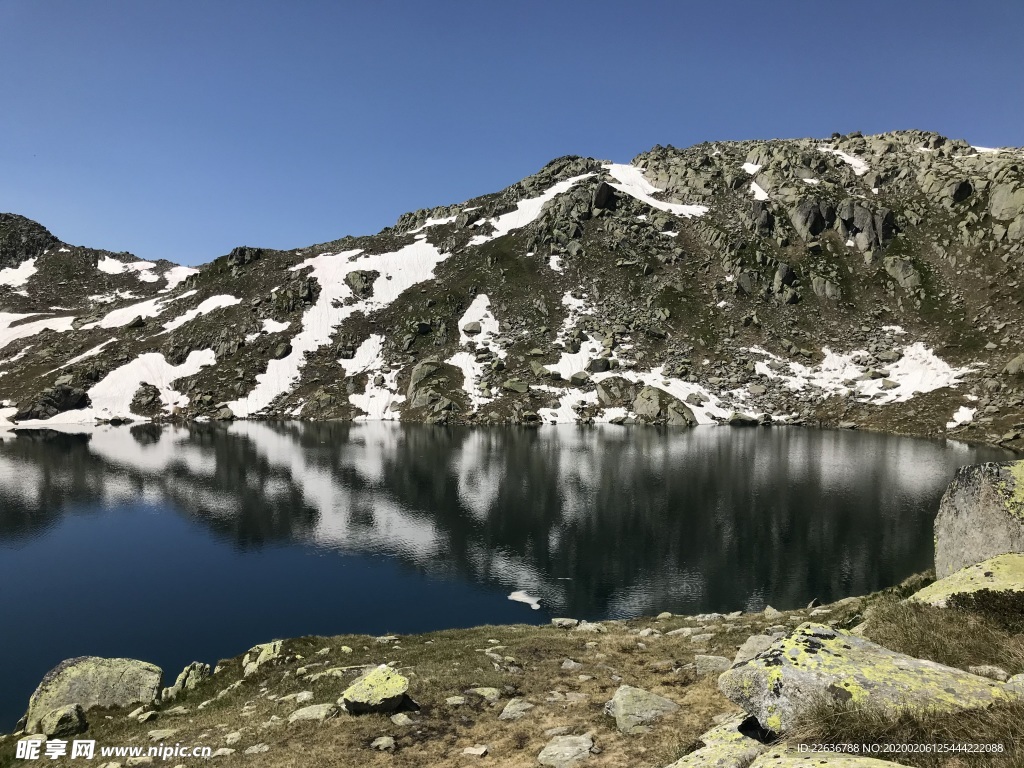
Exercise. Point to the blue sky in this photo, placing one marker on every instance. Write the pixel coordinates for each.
(179, 129)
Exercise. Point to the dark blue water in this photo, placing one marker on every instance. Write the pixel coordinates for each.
(173, 544)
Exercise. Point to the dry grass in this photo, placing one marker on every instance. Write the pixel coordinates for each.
(831, 722)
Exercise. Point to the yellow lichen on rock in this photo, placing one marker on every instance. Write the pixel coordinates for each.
(817, 661)
(794, 758)
(382, 689)
(1004, 573)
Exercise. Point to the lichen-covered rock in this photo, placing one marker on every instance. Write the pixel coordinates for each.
(261, 654)
(981, 515)
(728, 745)
(63, 721)
(91, 681)
(189, 678)
(381, 689)
(792, 758)
(566, 751)
(816, 660)
(634, 709)
(1003, 573)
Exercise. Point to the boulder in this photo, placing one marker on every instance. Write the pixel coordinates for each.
(566, 751)
(381, 689)
(1015, 367)
(1003, 573)
(729, 745)
(361, 281)
(903, 272)
(616, 392)
(1005, 201)
(808, 219)
(817, 661)
(189, 678)
(634, 709)
(981, 515)
(63, 721)
(752, 646)
(420, 373)
(258, 655)
(515, 709)
(710, 665)
(655, 406)
(91, 681)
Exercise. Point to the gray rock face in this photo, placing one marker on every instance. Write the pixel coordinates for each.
(1006, 201)
(634, 709)
(52, 401)
(710, 665)
(21, 239)
(381, 689)
(725, 746)
(816, 660)
(91, 681)
(1015, 367)
(981, 515)
(361, 281)
(566, 751)
(515, 709)
(752, 646)
(314, 713)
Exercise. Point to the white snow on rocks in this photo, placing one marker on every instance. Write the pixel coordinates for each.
(751, 168)
(273, 326)
(112, 396)
(207, 306)
(757, 191)
(15, 277)
(858, 165)
(149, 308)
(917, 372)
(375, 401)
(143, 269)
(399, 271)
(433, 223)
(175, 276)
(479, 311)
(963, 415)
(24, 330)
(86, 355)
(631, 181)
(526, 211)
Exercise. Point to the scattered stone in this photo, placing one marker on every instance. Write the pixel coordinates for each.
(256, 749)
(752, 646)
(187, 680)
(314, 712)
(990, 671)
(258, 655)
(566, 751)
(586, 626)
(710, 665)
(490, 695)
(634, 709)
(571, 665)
(455, 701)
(564, 623)
(479, 750)
(771, 614)
(383, 744)
(162, 734)
(515, 709)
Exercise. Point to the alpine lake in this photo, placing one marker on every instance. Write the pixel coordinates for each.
(176, 544)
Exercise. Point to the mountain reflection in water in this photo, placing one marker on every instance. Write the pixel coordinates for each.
(256, 530)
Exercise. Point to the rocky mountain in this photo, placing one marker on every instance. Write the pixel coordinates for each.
(855, 280)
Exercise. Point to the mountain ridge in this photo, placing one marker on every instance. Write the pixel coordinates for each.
(870, 281)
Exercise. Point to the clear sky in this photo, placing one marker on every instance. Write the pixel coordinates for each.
(179, 129)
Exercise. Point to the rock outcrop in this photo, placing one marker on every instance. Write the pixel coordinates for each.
(1003, 573)
(381, 689)
(91, 681)
(981, 515)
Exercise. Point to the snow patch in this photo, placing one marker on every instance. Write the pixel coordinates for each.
(24, 330)
(121, 317)
(207, 306)
(142, 269)
(963, 415)
(858, 165)
(758, 192)
(175, 276)
(751, 168)
(15, 277)
(526, 211)
(631, 181)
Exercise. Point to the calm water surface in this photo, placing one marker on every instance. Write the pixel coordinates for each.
(177, 544)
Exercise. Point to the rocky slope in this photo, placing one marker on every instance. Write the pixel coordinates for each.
(870, 281)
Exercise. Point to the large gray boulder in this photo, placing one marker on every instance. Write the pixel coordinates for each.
(728, 745)
(1006, 201)
(566, 751)
(1015, 367)
(816, 661)
(382, 689)
(981, 515)
(655, 406)
(63, 721)
(189, 678)
(634, 709)
(91, 681)
(1002, 573)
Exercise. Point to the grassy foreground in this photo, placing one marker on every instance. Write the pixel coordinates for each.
(529, 662)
